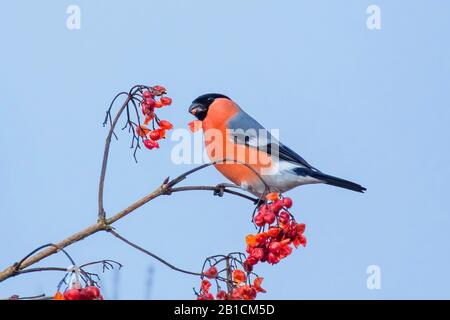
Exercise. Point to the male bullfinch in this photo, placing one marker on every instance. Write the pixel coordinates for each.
(233, 138)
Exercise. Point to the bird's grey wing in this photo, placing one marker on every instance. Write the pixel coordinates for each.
(246, 130)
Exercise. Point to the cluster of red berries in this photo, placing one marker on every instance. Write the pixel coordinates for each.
(278, 230)
(274, 244)
(242, 289)
(87, 293)
(149, 103)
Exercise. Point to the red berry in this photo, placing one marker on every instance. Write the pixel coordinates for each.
(263, 209)
(221, 295)
(166, 101)
(235, 295)
(273, 232)
(269, 217)
(239, 276)
(285, 251)
(302, 240)
(300, 228)
(272, 259)
(252, 260)
(287, 202)
(155, 135)
(259, 220)
(72, 294)
(284, 217)
(142, 131)
(92, 292)
(150, 102)
(262, 237)
(291, 234)
(150, 144)
(247, 292)
(258, 253)
(164, 124)
(206, 296)
(273, 196)
(148, 118)
(206, 285)
(160, 89)
(274, 247)
(247, 266)
(162, 133)
(83, 295)
(277, 206)
(147, 94)
(211, 273)
(147, 110)
(257, 284)
(195, 125)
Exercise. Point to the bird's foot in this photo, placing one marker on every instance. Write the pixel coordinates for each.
(260, 202)
(220, 188)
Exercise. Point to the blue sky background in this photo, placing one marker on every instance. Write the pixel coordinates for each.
(371, 106)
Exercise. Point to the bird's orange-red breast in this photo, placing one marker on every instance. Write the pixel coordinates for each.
(220, 145)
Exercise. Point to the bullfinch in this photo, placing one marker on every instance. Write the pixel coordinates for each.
(250, 156)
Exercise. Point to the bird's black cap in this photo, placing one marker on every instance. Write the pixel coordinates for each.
(199, 107)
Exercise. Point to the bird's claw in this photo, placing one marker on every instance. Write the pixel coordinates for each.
(260, 202)
(219, 190)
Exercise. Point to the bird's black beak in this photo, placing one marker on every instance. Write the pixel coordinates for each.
(198, 110)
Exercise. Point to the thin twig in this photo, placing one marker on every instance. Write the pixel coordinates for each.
(106, 264)
(213, 188)
(41, 269)
(18, 265)
(223, 161)
(38, 297)
(101, 209)
(154, 256)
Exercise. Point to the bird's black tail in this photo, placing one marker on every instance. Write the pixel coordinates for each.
(338, 182)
